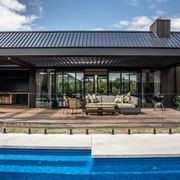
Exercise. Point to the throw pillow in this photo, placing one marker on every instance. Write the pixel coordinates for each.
(91, 100)
(95, 99)
(127, 98)
(119, 99)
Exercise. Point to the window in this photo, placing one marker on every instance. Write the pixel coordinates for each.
(114, 83)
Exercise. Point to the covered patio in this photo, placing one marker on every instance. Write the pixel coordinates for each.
(39, 68)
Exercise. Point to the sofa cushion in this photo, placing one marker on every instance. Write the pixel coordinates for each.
(134, 100)
(99, 99)
(108, 99)
(126, 105)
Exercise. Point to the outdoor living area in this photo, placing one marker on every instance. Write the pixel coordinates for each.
(91, 79)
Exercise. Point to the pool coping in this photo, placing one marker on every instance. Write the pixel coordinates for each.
(101, 145)
(46, 147)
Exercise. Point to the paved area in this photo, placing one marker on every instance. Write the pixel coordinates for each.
(138, 145)
(45, 141)
(42, 117)
(109, 146)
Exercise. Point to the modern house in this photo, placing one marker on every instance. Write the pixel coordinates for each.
(38, 68)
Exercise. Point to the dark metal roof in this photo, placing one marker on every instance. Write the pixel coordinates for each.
(96, 39)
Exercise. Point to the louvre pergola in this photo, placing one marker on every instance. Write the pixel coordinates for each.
(30, 62)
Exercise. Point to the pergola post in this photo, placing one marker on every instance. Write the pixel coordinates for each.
(32, 89)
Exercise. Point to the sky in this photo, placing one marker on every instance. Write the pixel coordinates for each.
(25, 15)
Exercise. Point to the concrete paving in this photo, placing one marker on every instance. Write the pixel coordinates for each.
(138, 145)
(102, 145)
(40, 141)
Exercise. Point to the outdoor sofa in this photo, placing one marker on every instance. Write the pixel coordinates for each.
(107, 104)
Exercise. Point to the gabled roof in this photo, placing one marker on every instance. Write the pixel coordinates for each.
(87, 39)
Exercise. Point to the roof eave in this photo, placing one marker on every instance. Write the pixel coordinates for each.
(89, 52)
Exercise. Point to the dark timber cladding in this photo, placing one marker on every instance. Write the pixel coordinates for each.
(177, 80)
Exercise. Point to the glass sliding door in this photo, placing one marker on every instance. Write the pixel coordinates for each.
(114, 83)
(89, 84)
(79, 85)
(135, 83)
(70, 84)
(151, 84)
(131, 83)
(101, 84)
(125, 83)
(43, 88)
(59, 89)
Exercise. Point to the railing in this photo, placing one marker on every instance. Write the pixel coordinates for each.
(151, 118)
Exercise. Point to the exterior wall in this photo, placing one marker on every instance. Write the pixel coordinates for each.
(168, 86)
(178, 80)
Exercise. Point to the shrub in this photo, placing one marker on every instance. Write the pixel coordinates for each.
(177, 102)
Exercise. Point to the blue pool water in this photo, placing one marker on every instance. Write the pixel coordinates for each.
(67, 164)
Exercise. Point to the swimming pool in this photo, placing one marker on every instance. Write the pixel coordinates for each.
(78, 164)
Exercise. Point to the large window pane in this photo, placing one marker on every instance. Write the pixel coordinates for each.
(89, 85)
(79, 84)
(59, 89)
(151, 84)
(114, 83)
(125, 83)
(101, 84)
(69, 84)
(135, 83)
(42, 97)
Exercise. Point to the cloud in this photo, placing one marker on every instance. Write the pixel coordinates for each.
(139, 23)
(160, 12)
(132, 2)
(150, 3)
(142, 23)
(175, 24)
(12, 17)
(13, 5)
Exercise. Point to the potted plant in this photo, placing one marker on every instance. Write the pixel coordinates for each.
(177, 102)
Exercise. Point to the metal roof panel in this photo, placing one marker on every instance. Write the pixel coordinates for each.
(109, 39)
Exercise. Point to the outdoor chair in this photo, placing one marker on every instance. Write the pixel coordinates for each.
(74, 104)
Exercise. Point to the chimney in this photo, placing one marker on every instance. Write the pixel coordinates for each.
(161, 28)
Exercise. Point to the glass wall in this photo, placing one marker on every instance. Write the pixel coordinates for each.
(69, 83)
(51, 86)
(43, 87)
(114, 83)
(79, 84)
(124, 82)
(151, 84)
(101, 84)
(89, 84)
